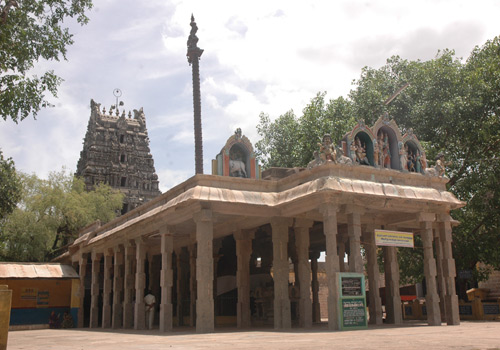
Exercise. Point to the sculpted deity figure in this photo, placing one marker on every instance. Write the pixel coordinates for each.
(438, 169)
(386, 154)
(327, 150)
(411, 161)
(419, 162)
(403, 157)
(380, 146)
(361, 153)
(315, 162)
(376, 151)
(352, 152)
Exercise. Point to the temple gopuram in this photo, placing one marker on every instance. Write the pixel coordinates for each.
(219, 250)
(116, 152)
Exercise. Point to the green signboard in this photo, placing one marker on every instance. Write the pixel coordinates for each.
(352, 301)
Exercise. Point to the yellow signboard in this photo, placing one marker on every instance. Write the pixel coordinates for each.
(394, 238)
(29, 293)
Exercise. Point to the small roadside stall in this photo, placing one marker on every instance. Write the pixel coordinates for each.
(41, 291)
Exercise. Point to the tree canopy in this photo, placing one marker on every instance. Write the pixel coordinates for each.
(289, 141)
(10, 186)
(50, 214)
(453, 107)
(31, 30)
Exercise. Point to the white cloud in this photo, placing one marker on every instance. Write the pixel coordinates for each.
(169, 178)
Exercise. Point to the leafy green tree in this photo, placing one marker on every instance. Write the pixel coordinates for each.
(279, 146)
(10, 186)
(50, 214)
(289, 141)
(31, 30)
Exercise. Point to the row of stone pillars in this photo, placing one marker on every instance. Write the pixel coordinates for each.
(130, 278)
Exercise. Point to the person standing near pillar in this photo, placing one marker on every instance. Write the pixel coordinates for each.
(150, 302)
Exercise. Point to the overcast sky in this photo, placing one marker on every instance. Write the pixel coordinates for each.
(260, 56)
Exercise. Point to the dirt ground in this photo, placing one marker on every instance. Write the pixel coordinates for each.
(469, 335)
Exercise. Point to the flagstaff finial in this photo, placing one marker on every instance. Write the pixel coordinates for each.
(194, 52)
(193, 55)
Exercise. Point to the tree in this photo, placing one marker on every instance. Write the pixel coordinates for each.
(10, 186)
(50, 214)
(280, 145)
(31, 30)
(289, 141)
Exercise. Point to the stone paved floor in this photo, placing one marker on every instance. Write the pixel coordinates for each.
(469, 335)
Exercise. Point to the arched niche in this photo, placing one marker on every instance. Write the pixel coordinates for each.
(367, 143)
(237, 149)
(386, 126)
(388, 134)
(416, 153)
(366, 138)
(239, 161)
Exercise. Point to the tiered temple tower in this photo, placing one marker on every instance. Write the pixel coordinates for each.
(116, 152)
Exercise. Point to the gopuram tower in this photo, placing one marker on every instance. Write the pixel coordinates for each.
(116, 152)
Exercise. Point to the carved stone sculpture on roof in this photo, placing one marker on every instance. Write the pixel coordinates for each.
(389, 138)
(388, 149)
(416, 153)
(237, 158)
(439, 168)
(358, 144)
(327, 151)
(360, 151)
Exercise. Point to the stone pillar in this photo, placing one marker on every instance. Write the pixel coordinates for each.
(316, 310)
(140, 285)
(179, 285)
(440, 279)
(83, 273)
(94, 290)
(329, 212)
(431, 298)
(373, 276)
(117, 318)
(216, 246)
(243, 252)
(106, 290)
(304, 271)
(392, 296)
(166, 280)
(204, 272)
(341, 249)
(449, 270)
(128, 292)
(354, 233)
(192, 285)
(282, 312)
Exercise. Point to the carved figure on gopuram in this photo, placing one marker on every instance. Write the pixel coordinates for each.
(438, 169)
(386, 153)
(411, 162)
(237, 158)
(342, 159)
(315, 162)
(419, 162)
(376, 153)
(360, 151)
(403, 157)
(236, 164)
(327, 150)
